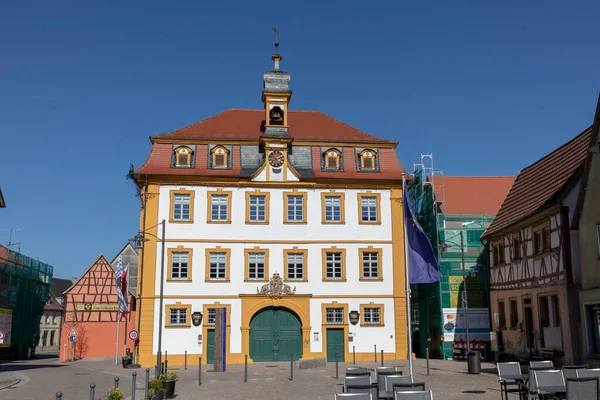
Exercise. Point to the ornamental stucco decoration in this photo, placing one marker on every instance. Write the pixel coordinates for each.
(276, 288)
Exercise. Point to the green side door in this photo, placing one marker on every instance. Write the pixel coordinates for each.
(335, 343)
(210, 346)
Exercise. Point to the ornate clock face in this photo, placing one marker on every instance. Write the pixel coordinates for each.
(276, 158)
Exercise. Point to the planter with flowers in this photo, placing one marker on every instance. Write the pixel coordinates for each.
(168, 381)
(115, 394)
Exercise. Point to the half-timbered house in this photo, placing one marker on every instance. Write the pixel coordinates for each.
(91, 315)
(534, 272)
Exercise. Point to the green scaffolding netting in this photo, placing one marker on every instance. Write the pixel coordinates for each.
(24, 289)
(429, 300)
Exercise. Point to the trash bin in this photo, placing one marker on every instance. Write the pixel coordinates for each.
(474, 362)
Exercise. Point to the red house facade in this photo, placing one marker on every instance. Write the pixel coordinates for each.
(91, 312)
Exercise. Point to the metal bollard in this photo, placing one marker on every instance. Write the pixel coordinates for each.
(92, 391)
(147, 383)
(382, 358)
(354, 355)
(246, 368)
(133, 386)
(185, 360)
(156, 372)
(291, 366)
(427, 355)
(199, 371)
(116, 382)
(166, 366)
(336, 366)
(162, 368)
(375, 347)
(58, 395)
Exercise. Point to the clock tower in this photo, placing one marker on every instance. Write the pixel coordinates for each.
(276, 139)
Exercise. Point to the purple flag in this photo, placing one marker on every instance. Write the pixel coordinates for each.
(423, 267)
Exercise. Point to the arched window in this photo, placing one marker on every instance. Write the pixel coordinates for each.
(183, 156)
(332, 159)
(367, 160)
(276, 116)
(219, 157)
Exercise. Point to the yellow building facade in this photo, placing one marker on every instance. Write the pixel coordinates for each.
(290, 220)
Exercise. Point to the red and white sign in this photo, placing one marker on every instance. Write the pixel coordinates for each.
(133, 334)
(1, 336)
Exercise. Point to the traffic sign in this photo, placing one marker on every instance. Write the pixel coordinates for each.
(73, 333)
(1, 335)
(133, 334)
(72, 339)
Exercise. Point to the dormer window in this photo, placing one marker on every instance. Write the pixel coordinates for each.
(219, 157)
(332, 159)
(367, 160)
(183, 157)
(276, 116)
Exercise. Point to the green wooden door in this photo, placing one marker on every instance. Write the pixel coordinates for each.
(274, 334)
(335, 343)
(210, 346)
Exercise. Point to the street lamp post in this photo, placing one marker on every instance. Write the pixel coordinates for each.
(137, 243)
(465, 300)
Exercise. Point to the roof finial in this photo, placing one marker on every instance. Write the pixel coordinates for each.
(276, 57)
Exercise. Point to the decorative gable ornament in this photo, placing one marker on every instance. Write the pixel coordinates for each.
(276, 288)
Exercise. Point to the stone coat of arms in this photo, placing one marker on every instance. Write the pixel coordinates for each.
(275, 288)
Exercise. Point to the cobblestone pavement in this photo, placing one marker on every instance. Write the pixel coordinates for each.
(41, 379)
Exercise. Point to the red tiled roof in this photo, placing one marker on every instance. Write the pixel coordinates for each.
(536, 185)
(472, 194)
(245, 125)
(389, 166)
(52, 304)
(159, 163)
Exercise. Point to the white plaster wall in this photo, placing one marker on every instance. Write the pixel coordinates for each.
(276, 237)
(178, 340)
(314, 267)
(364, 337)
(276, 229)
(277, 232)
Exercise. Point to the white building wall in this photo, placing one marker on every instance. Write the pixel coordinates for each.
(178, 340)
(276, 229)
(364, 337)
(277, 236)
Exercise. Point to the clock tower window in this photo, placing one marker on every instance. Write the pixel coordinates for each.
(276, 116)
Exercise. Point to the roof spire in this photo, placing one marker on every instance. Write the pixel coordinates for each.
(276, 57)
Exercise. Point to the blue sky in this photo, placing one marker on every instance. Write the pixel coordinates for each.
(487, 87)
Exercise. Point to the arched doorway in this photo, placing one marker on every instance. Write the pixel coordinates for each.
(275, 333)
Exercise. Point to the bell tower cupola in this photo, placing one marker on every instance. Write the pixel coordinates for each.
(276, 96)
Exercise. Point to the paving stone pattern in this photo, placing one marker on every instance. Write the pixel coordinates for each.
(43, 378)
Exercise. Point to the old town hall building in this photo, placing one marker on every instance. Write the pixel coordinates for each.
(290, 220)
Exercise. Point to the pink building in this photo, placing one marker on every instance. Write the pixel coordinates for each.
(91, 306)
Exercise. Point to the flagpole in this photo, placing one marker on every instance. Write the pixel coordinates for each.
(117, 344)
(126, 272)
(406, 268)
